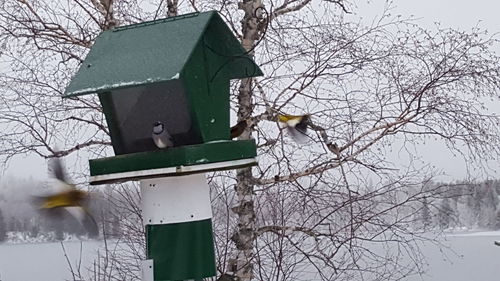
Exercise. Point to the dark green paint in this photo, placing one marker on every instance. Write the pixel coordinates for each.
(181, 251)
(157, 51)
(174, 157)
(198, 49)
(212, 121)
(109, 113)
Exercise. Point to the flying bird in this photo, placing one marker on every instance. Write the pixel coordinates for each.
(69, 198)
(161, 137)
(296, 126)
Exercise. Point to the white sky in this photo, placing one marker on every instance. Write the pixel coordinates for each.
(454, 13)
(463, 14)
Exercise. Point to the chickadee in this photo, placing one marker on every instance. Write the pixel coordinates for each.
(238, 129)
(161, 137)
(69, 198)
(296, 126)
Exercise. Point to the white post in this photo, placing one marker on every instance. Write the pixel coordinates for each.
(177, 216)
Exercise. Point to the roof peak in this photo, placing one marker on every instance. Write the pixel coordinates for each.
(158, 51)
(159, 21)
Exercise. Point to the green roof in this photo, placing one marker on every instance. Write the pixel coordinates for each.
(157, 51)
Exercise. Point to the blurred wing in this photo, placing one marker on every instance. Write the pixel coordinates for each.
(85, 219)
(60, 180)
(57, 169)
(301, 126)
(55, 201)
(296, 127)
(61, 186)
(298, 136)
(40, 203)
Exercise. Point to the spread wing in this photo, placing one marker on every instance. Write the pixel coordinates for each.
(57, 169)
(85, 218)
(60, 178)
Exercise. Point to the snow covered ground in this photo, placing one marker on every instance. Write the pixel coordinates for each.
(476, 258)
(44, 261)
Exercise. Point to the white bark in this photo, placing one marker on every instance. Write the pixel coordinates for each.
(246, 233)
(172, 8)
(105, 8)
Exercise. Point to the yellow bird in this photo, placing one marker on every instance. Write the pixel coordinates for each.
(296, 126)
(69, 198)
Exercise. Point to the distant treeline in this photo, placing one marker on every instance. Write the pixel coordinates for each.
(456, 206)
(462, 206)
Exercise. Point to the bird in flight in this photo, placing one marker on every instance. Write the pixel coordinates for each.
(69, 198)
(296, 126)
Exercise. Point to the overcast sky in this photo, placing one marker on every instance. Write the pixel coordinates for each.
(463, 14)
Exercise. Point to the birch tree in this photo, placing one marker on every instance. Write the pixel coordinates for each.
(333, 208)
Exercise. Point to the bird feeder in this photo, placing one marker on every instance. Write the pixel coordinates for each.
(175, 72)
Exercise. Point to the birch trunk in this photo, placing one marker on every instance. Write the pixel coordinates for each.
(172, 8)
(245, 234)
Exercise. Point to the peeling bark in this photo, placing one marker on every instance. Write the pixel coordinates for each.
(245, 234)
(105, 8)
(172, 8)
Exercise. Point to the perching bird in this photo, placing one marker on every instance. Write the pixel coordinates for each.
(238, 129)
(161, 137)
(333, 147)
(69, 198)
(296, 126)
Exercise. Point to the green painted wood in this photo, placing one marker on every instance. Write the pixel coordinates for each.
(109, 113)
(192, 56)
(181, 251)
(173, 157)
(209, 98)
(157, 51)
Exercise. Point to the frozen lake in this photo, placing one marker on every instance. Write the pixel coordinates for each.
(477, 258)
(44, 261)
